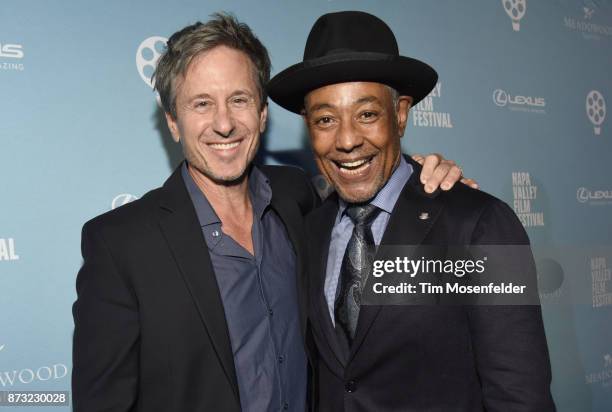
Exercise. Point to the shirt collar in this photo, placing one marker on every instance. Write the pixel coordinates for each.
(260, 193)
(386, 197)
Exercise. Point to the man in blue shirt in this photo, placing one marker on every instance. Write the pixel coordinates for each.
(192, 298)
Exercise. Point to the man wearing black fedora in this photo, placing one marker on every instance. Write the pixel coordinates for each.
(354, 91)
(191, 298)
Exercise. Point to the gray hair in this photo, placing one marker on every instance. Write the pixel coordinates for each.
(222, 29)
(394, 95)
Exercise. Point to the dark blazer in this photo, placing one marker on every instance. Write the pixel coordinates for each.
(150, 331)
(431, 358)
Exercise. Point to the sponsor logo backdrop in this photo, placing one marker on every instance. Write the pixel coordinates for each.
(521, 105)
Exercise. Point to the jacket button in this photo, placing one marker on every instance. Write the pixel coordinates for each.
(351, 386)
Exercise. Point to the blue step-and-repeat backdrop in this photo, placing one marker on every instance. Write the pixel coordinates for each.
(521, 105)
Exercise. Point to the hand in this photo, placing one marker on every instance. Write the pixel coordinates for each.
(440, 172)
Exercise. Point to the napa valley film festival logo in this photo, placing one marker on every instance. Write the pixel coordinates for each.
(596, 110)
(424, 114)
(594, 197)
(519, 103)
(515, 9)
(11, 56)
(122, 199)
(7, 250)
(603, 376)
(588, 23)
(601, 276)
(147, 56)
(525, 193)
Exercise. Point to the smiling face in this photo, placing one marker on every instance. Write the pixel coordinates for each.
(219, 117)
(355, 130)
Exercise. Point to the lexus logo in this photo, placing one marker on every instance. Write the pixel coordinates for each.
(500, 97)
(582, 194)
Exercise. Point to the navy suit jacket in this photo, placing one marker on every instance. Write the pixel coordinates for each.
(431, 358)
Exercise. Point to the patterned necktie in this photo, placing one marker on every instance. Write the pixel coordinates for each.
(356, 265)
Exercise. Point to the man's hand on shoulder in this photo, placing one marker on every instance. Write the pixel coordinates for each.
(440, 172)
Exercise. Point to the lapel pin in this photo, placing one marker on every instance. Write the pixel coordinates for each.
(424, 216)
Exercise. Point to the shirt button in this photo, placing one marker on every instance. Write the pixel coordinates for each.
(281, 359)
(286, 406)
(270, 312)
(351, 386)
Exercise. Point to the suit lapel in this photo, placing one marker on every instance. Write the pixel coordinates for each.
(413, 215)
(181, 229)
(319, 251)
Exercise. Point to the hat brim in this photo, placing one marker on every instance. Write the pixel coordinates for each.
(410, 77)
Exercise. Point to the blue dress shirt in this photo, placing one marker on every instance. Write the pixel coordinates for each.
(259, 295)
(385, 200)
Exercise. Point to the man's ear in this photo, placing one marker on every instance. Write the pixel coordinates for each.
(263, 118)
(404, 104)
(171, 122)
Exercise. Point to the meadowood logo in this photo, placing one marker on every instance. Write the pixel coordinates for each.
(586, 26)
(603, 376)
(27, 375)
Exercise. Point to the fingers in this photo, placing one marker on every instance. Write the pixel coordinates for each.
(418, 158)
(452, 177)
(470, 182)
(440, 172)
(429, 164)
(445, 174)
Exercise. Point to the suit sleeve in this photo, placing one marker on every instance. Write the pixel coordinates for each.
(306, 194)
(105, 341)
(509, 343)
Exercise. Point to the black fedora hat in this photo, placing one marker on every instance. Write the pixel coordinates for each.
(350, 46)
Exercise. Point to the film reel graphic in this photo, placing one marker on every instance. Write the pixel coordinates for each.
(515, 9)
(596, 110)
(147, 56)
